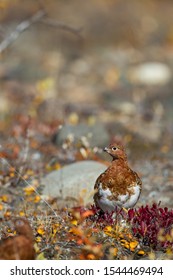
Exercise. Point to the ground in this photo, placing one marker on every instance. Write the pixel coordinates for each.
(112, 66)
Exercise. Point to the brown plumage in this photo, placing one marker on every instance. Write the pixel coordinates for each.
(20, 246)
(118, 185)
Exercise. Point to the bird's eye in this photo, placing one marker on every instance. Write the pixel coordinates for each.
(114, 148)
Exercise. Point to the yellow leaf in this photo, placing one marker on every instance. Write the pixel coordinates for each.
(12, 174)
(51, 167)
(1, 207)
(30, 172)
(37, 199)
(76, 231)
(55, 228)
(57, 166)
(169, 251)
(7, 214)
(141, 252)
(29, 190)
(45, 84)
(4, 198)
(36, 247)
(125, 244)
(91, 257)
(73, 118)
(108, 229)
(21, 213)
(133, 245)
(74, 222)
(41, 257)
(38, 239)
(41, 231)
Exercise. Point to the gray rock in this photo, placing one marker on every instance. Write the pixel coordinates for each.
(151, 73)
(96, 134)
(73, 185)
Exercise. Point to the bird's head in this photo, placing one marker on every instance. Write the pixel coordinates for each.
(116, 151)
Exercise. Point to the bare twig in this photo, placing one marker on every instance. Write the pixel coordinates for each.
(19, 29)
(61, 25)
(37, 17)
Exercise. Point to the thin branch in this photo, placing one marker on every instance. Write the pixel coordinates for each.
(19, 29)
(61, 25)
(38, 17)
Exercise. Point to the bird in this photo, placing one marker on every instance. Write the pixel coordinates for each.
(20, 246)
(118, 186)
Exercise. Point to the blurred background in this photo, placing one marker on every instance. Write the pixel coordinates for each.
(105, 64)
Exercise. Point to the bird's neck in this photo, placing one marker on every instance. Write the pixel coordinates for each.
(27, 233)
(119, 161)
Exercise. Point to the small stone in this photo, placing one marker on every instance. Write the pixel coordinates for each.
(150, 73)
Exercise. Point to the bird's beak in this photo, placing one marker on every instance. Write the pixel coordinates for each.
(105, 149)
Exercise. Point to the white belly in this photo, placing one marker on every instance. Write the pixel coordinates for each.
(126, 201)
